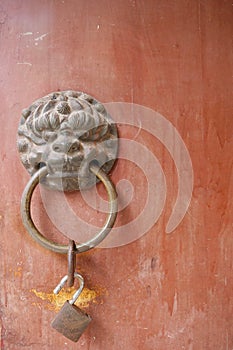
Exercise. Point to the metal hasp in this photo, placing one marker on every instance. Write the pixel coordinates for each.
(66, 131)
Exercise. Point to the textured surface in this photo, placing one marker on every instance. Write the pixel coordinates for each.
(162, 291)
(66, 131)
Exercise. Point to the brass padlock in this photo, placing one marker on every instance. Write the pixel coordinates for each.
(71, 321)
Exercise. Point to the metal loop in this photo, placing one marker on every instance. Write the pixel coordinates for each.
(60, 248)
(71, 262)
(61, 284)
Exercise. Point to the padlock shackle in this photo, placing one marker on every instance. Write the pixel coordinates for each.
(79, 291)
(63, 281)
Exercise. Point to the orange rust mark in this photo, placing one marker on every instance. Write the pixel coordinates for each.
(18, 272)
(55, 302)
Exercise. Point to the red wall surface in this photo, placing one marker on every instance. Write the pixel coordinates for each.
(162, 291)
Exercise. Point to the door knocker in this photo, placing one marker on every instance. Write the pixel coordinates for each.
(67, 141)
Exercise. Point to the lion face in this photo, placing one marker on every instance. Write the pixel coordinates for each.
(66, 131)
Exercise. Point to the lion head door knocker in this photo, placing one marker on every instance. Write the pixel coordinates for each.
(68, 141)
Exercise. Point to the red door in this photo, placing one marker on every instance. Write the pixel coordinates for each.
(160, 291)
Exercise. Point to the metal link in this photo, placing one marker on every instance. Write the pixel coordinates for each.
(71, 262)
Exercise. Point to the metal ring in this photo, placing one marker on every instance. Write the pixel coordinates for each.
(60, 248)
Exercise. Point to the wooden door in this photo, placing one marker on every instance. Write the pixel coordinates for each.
(161, 291)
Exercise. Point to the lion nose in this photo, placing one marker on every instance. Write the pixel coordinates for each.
(66, 147)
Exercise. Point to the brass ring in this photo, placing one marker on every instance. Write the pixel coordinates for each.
(60, 248)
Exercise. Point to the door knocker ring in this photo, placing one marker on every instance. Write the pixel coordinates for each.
(59, 248)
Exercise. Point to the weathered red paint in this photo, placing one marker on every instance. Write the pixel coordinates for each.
(163, 291)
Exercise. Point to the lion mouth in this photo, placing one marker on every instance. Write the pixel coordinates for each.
(64, 168)
(65, 175)
(68, 171)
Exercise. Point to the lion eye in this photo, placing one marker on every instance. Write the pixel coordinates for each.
(74, 147)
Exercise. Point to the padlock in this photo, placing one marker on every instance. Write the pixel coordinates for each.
(71, 321)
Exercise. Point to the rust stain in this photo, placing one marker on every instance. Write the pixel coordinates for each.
(55, 302)
(18, 272)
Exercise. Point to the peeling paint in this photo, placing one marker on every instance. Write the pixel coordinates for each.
(56, 301)
(41, 37)
(174, 309)
(26, 33)
(26, 63)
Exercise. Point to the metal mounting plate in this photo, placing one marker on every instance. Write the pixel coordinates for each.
(66, 131)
